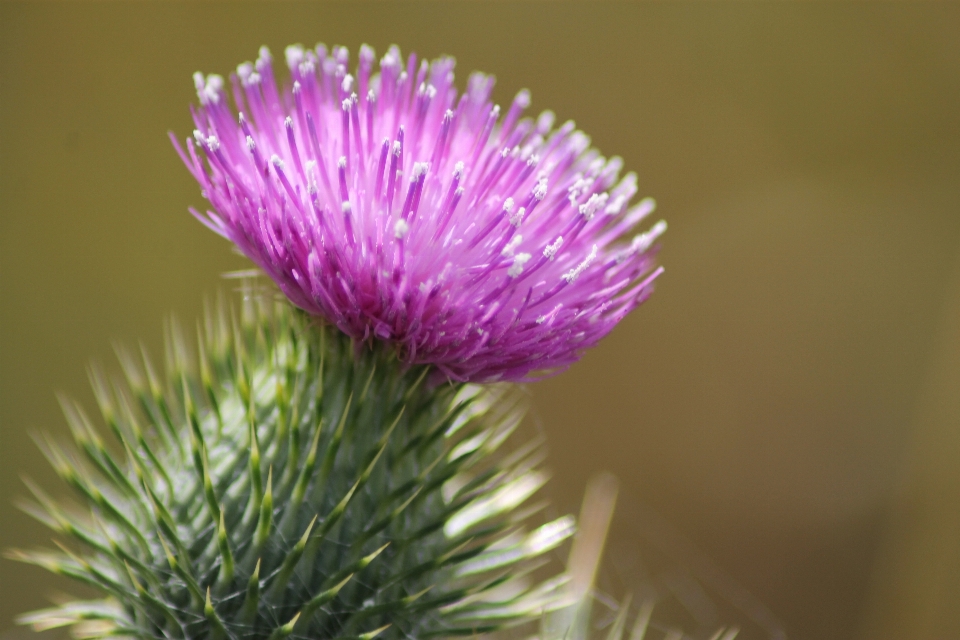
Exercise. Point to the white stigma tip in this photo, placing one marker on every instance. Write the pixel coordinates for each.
(294, 55)
(517, 218)
(512, 246)
(616, 206)
(545, 122)
(345, 105)
(212, 143)
(597, 200)
(397, 148)
(458, 170)
(198, 137)
(551, 249)
(642, 241)
(508, 205)
(276, 161)
(400, 229)
(419, 169)
(347, 84)
(296, 86)
(251, 145)
(540, 191)
(342, 162)
(517, 267)
(288, 122)
(345, 207)
(574, 273)
(208, 88)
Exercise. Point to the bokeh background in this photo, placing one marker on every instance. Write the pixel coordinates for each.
(783, 415)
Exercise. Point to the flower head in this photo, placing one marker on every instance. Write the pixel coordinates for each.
(486, 244)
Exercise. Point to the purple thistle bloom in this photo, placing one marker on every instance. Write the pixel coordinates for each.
(492, 248)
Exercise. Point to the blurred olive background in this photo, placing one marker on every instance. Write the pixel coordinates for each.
(788, 401)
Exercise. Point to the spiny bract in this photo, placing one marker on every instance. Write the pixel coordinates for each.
(295, 485)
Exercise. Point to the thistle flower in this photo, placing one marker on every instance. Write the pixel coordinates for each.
(489, 247)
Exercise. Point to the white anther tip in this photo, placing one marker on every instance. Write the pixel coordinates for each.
(540, 191)
(512, 246)
(574, 273)
(551, 249)
(517, 267)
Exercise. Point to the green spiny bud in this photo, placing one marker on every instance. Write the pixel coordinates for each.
(387, 509)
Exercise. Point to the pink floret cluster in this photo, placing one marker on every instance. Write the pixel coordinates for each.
(486, 244)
